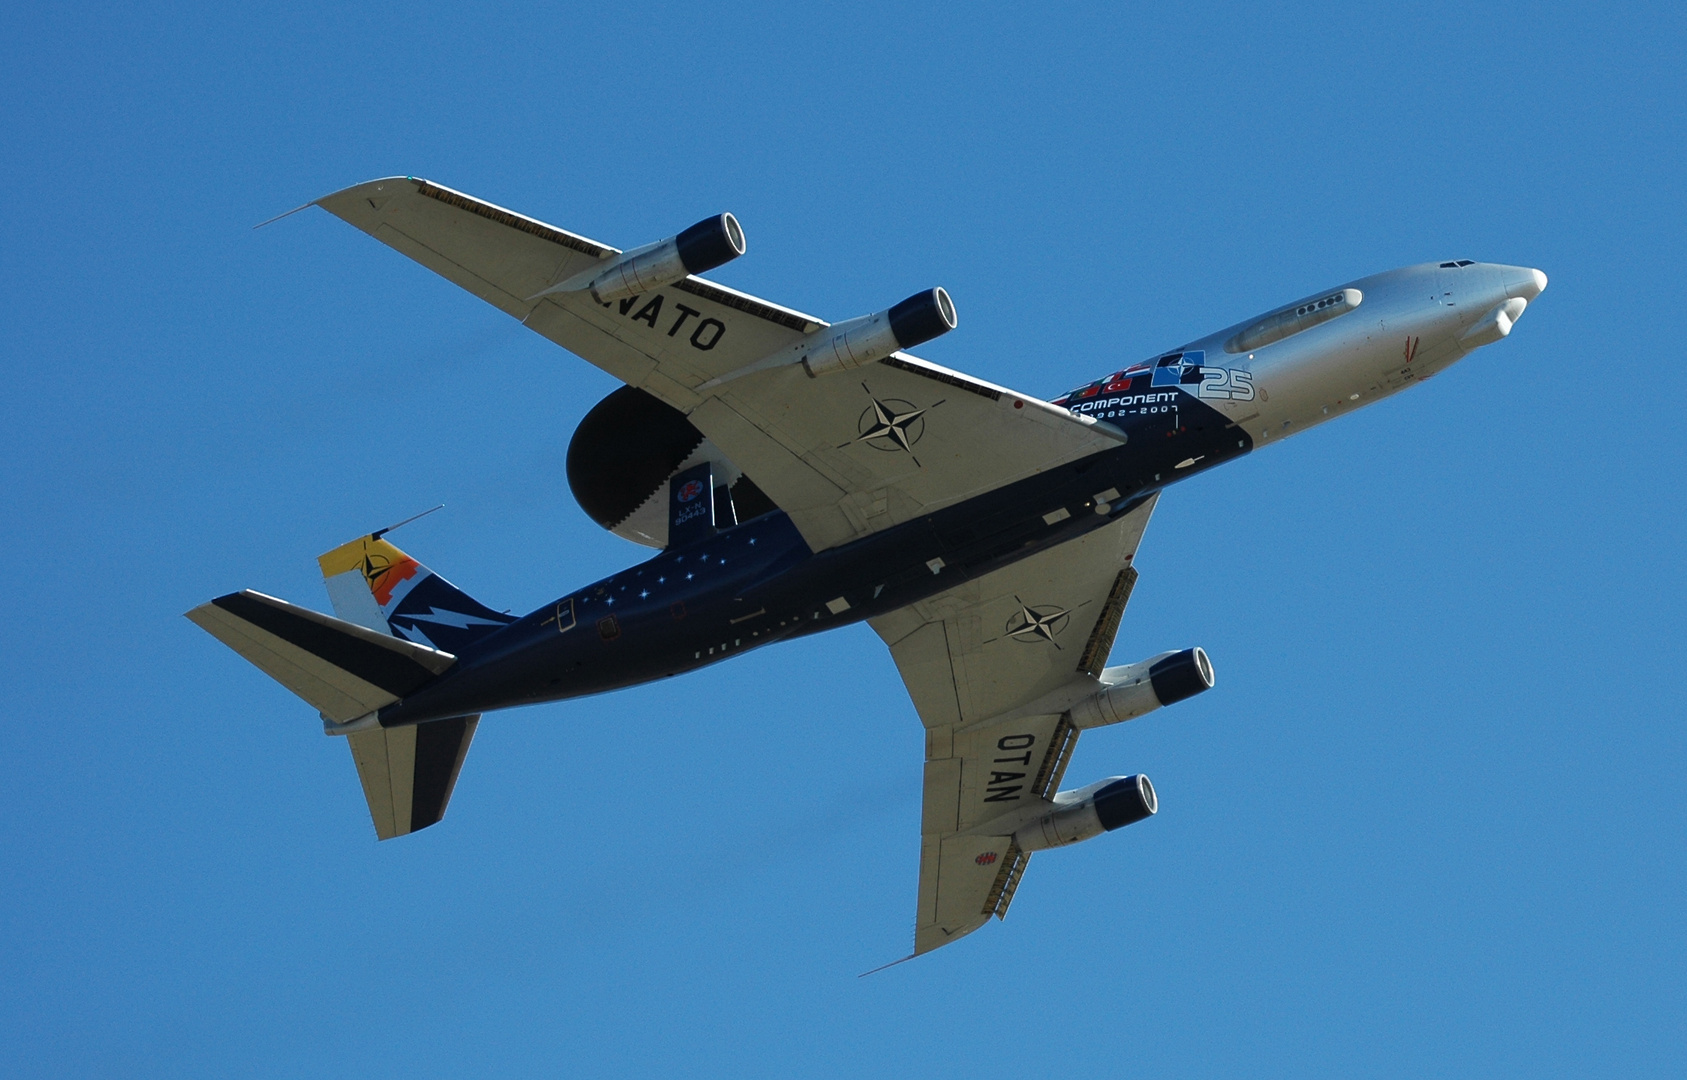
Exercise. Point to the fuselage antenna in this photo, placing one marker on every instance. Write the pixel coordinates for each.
(378, 533)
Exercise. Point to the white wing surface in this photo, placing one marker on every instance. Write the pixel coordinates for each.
(992, 666)
(845, 455)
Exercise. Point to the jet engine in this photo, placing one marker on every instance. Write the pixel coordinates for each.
(1135, 689)
(870, 338)
(1090, 811)
(706, 245)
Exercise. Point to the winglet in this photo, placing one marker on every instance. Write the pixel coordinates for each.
(892, 964)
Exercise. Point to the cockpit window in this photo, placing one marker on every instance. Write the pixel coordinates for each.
(1455, 265)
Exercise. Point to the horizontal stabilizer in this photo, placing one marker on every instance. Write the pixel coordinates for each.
(343, 670)
(408, 772)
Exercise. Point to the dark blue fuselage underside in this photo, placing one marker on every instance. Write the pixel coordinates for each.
(758, 582)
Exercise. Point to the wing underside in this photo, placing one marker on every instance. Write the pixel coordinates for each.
(845, 455)
(992, 667)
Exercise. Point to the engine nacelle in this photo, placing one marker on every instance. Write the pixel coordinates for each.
(706, 245)
(1129, 692)
(871, 338)
(1090, 811)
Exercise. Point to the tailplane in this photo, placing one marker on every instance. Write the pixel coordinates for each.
(349, 672)
(346, 671)
(372, 583)
(399, 627)
(408, 772)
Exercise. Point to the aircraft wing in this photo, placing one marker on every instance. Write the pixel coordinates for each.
(844, 455)
(992, 666)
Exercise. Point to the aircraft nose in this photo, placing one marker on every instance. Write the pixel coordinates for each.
(1513, 289)
(1523, 283)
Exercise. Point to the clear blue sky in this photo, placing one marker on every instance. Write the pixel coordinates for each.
(1430, 821)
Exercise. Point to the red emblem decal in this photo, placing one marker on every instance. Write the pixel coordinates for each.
(986, 859)
(690, 490)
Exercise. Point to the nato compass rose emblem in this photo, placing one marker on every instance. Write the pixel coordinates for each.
(1175, 369)
(891, 424)
(1037, 623)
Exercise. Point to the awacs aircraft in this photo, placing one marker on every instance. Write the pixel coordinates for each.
(798, 476)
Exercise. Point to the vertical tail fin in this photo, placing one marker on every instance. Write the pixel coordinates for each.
(372, 583)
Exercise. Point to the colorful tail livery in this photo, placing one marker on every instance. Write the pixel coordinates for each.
(372, 583)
